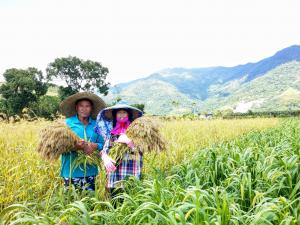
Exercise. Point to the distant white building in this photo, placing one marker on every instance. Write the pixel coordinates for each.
(206, 116)
(244, 107)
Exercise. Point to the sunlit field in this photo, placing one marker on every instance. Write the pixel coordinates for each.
(242, 171)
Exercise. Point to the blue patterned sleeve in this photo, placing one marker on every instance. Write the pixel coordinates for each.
(106, 146)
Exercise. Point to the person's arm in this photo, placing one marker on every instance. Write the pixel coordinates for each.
(99, 142)
(106, 146)
(124, 139)
(107, 160)
(80, 145)
(93, 146)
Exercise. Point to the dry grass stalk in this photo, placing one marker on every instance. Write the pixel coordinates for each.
(145, 134)
(56, 139)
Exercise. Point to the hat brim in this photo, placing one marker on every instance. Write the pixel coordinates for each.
(108, 112)
(68, 106)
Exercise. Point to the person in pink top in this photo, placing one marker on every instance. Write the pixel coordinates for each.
(112, 123)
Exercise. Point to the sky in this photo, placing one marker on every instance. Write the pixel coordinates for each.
(135, 38)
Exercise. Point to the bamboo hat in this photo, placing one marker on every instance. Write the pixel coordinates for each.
(68, 105)
(108, 112)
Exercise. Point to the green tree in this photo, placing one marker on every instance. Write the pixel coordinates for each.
(79, 75)
(139, 106)
(46, 107)
(21, 88)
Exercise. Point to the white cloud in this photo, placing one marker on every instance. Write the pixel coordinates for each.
(134, 38)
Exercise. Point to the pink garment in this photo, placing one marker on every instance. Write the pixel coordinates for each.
(121, 126)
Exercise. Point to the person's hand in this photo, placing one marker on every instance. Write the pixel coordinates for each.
(108, 163)
(89, 148)
(80, 144)
(126, 140)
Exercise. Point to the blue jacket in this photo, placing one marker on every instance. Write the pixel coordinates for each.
(67, 159)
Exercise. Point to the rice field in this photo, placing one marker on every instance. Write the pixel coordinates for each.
(244, 171)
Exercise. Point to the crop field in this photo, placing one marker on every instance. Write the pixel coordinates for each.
(244, 171)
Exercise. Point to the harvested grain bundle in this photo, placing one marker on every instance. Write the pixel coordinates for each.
(144, 132)
(118, 150)
(82, 160)
(56, 139)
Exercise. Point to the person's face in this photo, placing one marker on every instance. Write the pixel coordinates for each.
(121, 114)
(84, 108)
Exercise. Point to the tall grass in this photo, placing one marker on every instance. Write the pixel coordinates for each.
(24, 176)
(186, 137)
(248, 180)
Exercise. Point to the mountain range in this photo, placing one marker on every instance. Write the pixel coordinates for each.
(272, 83)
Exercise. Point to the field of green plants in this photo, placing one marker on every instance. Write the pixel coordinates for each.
(244, 171)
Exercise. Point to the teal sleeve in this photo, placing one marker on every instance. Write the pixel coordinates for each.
(68, 122)
(99, 142)
(100, 146)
